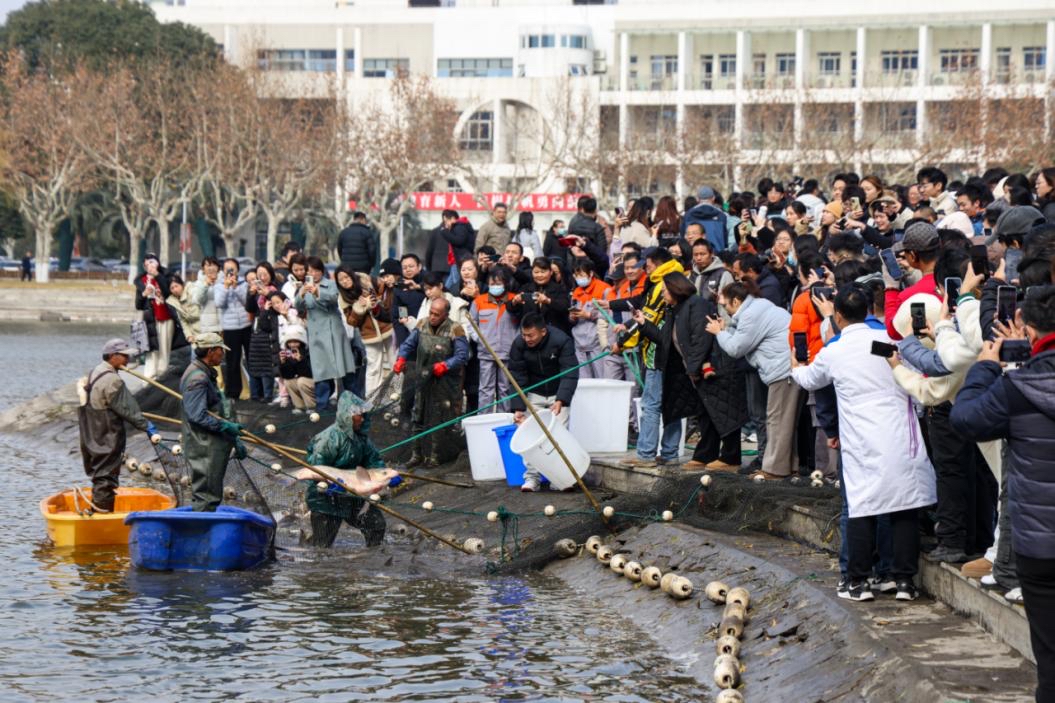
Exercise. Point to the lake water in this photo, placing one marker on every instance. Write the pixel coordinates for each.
(87, 627)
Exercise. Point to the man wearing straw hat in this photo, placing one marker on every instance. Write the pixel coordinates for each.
(106, 405)
(207, 441)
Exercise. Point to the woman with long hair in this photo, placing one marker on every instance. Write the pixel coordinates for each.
(666, 224)
(1044, 187)
(331, 354)
(526, 236)
(366, 305)
(261, 360)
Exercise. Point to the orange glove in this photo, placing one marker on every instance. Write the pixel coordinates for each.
(439, 369)
(400, 365)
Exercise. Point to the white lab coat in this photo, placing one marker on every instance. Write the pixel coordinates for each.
(885, 464)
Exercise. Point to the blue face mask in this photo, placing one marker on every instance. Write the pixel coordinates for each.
(582, 282)
(562, 232)
(792, 261)
(496, 291)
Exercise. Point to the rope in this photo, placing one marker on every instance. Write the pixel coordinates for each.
(78, 495)
(630, 362)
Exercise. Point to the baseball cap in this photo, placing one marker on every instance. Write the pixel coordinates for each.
(391, 267)
(705, 193)
(920, 236)
(119, 346)
(207, 340)
(1019, 219)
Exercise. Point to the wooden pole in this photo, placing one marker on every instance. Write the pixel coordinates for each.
(534, 414)
(297, 460)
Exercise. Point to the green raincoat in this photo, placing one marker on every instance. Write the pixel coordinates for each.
(342, 447)
(205, 447)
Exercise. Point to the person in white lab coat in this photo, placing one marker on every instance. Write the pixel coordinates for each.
(885, 465)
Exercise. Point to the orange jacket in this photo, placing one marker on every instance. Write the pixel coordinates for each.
(626, 290)
(805, 318)
(597, 290)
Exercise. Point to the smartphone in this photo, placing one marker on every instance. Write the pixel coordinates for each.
(855, 204)
(1015, 351)
(919, 318)
(802, 351)
(819, 273)
(892, 266)
(883, 349)
(403, 312)
(952, 291)
(980, 259)
(309, 280)
(618, 212)
(825, 292)
(1006, 302)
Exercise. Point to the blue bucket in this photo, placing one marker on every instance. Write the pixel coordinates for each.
(513, 463)
(229, 539)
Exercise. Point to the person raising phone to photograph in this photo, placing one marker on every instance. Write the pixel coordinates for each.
(920, 246)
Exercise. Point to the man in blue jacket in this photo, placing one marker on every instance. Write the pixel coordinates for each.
(1020, 407)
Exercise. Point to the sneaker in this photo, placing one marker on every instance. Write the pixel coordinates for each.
(298, 411)
(977, 569)
(883, 584)
(639, 462)
(751, 438)
(531, 485)
(988, 581)
(1014, 596)
(906, 590)
(947, 554)
(277, 400)
(843, 589)
(857, 592)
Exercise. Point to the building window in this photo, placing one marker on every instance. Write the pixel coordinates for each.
(897, 117)
(830, 63)
(785, 64)
(538, 41)
(958, 60)
(706, 72)
(898, 61)
(315, 60)
(853, 69)
(664, 66)
(573, 41)
(1002, 67)
(349, 59)
(1034, 58)
(385, 68)
(477, 134)
(726, 121)
(758, 64)
(727, 65)
(475, 68)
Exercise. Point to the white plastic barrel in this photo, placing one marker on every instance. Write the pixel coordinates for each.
(600, 414)
(485, 458)
(530, 442)
(684, 426)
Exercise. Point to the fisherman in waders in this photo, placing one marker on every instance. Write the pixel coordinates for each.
(106, 405)
(441, 350)
(207, 441)
(344, 445)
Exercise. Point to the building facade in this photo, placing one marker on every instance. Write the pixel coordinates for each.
(700, 90)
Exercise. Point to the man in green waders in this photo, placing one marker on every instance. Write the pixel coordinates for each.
(442, 351)
(344, 445)
(106, 405)
(207, 441)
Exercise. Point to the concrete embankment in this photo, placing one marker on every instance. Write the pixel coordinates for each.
(67, 301)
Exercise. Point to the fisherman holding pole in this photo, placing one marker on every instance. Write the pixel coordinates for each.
(207, 441)
(106, 405)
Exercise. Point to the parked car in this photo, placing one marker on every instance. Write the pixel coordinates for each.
(81, 265)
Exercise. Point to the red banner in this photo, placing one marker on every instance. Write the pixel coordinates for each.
(483, 202)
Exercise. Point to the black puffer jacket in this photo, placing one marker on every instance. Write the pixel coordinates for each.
(460, 237)
(262, 359)
(357, 248)
(555, 312)
(689, 319)
(554, 354)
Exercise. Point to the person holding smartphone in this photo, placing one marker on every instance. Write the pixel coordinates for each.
(152, 287)
(920, 247)
(230, 296)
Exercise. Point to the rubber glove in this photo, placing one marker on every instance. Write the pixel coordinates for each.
(439, 369)
(151, 428)
(240, 452)
(230, 428)
(399, 366)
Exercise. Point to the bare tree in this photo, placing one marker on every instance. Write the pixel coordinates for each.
(44, 164)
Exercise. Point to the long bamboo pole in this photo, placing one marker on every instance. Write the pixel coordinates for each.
(534, 414)
(321, 472)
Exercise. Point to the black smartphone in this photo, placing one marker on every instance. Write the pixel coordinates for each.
(1015, 351)
(1006, 302)
(883, 349)
(919, 318)
(802, 351)
(892, 266)
(819, 273)
(952, 291)
(980, 259)
(825, 292)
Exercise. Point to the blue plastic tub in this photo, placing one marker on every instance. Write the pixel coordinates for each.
(513, 463)
(230, 539)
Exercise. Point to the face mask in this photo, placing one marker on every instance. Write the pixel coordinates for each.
(562, 232)
(792, 261)
(496, 291)
(582, 282)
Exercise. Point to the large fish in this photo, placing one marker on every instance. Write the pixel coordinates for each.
(360, 481)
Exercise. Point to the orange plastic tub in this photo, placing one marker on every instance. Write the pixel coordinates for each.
(68, 528)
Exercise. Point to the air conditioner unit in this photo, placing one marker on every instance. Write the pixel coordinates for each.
(599, 55)
(824, 82)
(908, 78)
(600, 65)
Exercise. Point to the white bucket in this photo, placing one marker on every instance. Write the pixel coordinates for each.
(684, 426)
(530, 442)
(485, 457)
(600, 414)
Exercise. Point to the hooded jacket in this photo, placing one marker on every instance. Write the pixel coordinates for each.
(447, 246)
(1019, 407)
(342, 447)
(715, 271)
(759, 332)
(652, 304)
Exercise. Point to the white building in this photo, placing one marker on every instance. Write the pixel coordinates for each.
(760, 79)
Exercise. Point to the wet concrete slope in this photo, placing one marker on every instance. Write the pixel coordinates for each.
(801, 643)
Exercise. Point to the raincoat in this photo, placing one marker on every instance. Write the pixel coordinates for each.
(342, 447)
(107, 406)
(205, 447)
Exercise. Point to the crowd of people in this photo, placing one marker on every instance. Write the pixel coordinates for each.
(891, 340)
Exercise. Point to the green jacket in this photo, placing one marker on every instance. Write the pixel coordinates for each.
(341, 447)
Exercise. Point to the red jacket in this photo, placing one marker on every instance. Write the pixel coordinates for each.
(894, 299)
